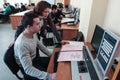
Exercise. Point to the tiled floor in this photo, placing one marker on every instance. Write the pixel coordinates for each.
(6, 37)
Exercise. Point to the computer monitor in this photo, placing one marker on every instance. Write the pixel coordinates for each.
(97, 37)
(108, 49)
(76, 15)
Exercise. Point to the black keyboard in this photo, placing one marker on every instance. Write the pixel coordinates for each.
(55, 61)
(89, 63)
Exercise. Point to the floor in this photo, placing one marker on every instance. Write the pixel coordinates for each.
(6, 37)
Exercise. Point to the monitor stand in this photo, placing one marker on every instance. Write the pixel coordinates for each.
(99, 71)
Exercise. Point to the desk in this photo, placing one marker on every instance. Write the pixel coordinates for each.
(116, 75)
(64, 68)
(69, 31)
(16, 18)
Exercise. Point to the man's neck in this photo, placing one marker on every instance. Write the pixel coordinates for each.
(28, 33)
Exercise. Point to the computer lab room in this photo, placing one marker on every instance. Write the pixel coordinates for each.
(59, 40)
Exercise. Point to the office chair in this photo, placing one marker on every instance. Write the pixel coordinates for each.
(10, 61)
(79, 37)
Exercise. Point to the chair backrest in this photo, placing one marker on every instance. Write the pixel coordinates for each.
(79, 37)
(10, 61)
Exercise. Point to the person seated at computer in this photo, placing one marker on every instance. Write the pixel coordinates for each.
(59, 11)
(53, 13)
(7, 11)
(25, 49)
(23, 8)
(54, 17)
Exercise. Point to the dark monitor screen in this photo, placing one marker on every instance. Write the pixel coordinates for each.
(107, 51)
(97, 37)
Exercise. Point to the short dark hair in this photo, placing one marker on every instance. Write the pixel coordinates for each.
(28, 18)
(54, 7)
(41, 6)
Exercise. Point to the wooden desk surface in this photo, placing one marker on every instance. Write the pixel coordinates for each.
(64, 68)
(74, 27)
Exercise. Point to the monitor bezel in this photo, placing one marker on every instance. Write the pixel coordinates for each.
(115, 51)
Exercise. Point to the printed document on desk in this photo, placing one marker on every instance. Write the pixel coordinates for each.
(71, 56)
(73, 46)
(65, 20)
(72, 51)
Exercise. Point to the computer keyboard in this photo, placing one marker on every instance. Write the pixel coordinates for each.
(55, 61)
(90, 66)
(85, 69)
(70, 23)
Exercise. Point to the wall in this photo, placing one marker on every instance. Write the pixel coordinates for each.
(112, 18)
(76, 3)
(59, 1)
(85, 12)
(92, 12)
(34, 1)
(1, 4)
(97, 16)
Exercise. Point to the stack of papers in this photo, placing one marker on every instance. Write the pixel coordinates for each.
(71, 52)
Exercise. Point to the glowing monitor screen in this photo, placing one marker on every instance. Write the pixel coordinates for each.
(107, 51)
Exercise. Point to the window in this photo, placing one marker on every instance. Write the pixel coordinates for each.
(13, 2)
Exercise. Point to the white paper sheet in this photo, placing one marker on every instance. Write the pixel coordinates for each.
(73, 46)
(71, 56)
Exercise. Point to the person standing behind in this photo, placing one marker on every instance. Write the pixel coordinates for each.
(25, 49)
(42, 9)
